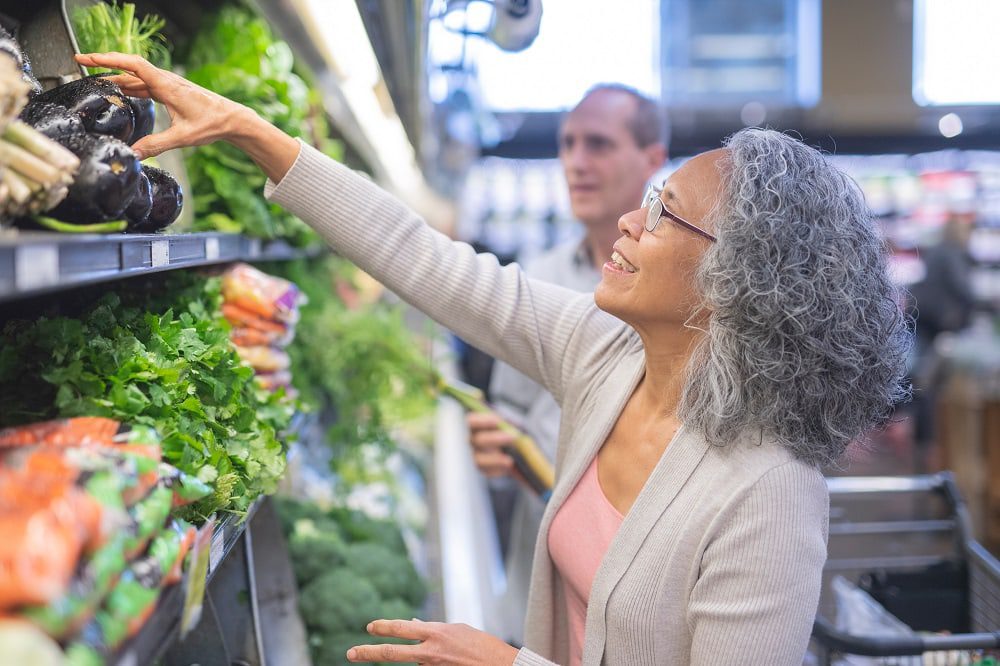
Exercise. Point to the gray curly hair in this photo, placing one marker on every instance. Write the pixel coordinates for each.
(806, 338)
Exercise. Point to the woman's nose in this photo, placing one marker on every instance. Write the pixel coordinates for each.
(630, 224)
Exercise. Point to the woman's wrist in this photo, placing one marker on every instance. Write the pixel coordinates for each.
(273, 150)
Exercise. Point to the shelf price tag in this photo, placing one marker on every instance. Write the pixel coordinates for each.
(194, 595)
(36, 266)
(159, 253)
(211, 249)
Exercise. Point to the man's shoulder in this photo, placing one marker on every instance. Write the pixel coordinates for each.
(565, 264)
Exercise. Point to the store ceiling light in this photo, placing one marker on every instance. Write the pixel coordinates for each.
(340, 35)
(950, 125)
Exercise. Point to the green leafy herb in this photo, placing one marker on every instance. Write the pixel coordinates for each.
(237, 56)
(114, 27)
(362, 364)
(161, 359)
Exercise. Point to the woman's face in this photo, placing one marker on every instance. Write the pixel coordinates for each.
(651, 279)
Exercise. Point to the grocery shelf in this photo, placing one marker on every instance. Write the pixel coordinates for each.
(227, 532)
(34, 263)
(161, 630)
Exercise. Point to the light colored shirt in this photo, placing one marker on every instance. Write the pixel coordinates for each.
(719, 560)
(581, 532)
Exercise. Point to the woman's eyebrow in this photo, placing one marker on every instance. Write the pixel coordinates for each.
(670, 196)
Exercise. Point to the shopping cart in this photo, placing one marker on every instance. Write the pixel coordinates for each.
(907, 542)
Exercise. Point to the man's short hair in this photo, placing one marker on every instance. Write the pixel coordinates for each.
(649, 122)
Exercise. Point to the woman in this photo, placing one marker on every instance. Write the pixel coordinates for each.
(744, 332)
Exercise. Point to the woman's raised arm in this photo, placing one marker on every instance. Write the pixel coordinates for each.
(531, 325)
(197, 116)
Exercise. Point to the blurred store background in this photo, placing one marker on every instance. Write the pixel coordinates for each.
(455, 106)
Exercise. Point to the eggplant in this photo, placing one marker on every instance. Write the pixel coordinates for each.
(52, 120)
(168, 199)
(105, 184)
(144, 112)
(100, 104)
(10, 48)
(138, 211)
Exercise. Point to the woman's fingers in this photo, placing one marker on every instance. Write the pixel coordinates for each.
(123, 61)
(127, 82)
(154, 144)
(413, 630)
(387, 652)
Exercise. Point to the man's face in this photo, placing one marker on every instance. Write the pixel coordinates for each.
(606, 170)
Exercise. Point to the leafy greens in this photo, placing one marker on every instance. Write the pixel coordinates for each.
(162, 360)
(236, 56)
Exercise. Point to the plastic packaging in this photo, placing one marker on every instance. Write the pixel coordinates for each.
(265, 295)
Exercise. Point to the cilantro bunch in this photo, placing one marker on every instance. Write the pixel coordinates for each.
(161, 359)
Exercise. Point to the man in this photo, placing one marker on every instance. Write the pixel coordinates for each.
(610, 146)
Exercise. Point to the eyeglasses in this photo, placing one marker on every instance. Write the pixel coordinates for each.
(656, 211)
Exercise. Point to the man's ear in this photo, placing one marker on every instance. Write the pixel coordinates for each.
(656, 155)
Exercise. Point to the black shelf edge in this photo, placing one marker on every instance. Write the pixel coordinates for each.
(161, 630)
(36, 263)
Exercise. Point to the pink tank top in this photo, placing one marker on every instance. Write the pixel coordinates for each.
(580, 534)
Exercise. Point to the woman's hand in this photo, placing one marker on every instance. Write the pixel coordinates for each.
(197, 116)
(440, 643)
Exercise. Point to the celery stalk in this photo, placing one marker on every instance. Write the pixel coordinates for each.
(24, 136)
(20, 160)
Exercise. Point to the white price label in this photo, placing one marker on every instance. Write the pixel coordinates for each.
(36, 266)
(216, 552)
(159, 253)
(253, 248)
(211, 249)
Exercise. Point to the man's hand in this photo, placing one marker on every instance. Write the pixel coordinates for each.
(488, 444)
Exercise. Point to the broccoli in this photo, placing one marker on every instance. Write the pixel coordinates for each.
(314, 548)
(291, 510)
(356, 526)
(396, 609)
(389, 571)
(338, 601)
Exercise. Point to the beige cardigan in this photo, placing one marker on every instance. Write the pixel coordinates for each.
(719, 559)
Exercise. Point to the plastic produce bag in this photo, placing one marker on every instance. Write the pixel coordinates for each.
(264, 359)
(265, 295)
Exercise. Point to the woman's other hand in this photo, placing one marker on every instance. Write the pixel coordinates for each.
(197, 116)
(440, 643)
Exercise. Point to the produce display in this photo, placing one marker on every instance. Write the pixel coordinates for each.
(159, 357)
(237, 56)
(350, 569)
(133, 412)
(373, 377)
(95, 183)
(35, 171)
(85, 505)
(263, 310)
